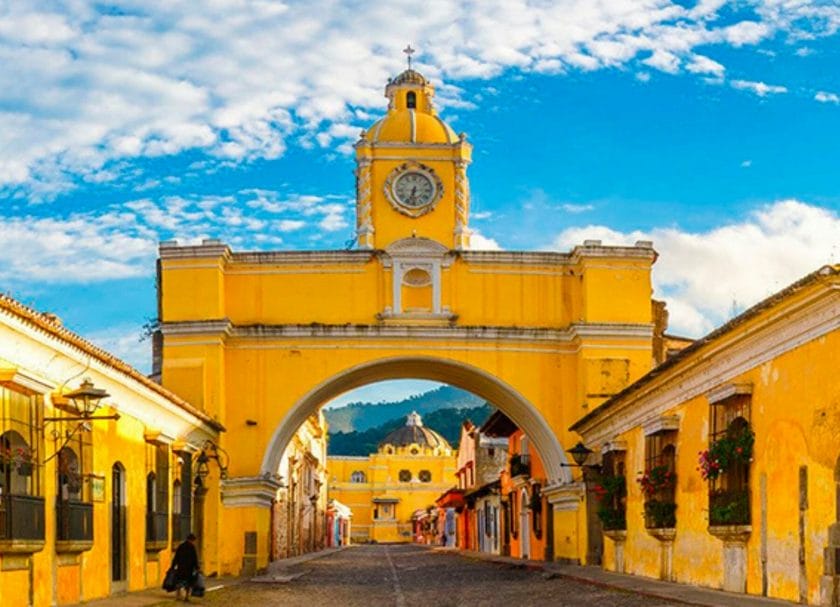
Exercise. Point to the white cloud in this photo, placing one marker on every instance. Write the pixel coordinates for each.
(478, 242)
(745, 164)
(826, 97)
(126, 343)
(84, 87)
(761, 89)
(703, 274)
(577, 208)
(121, 241)
(700, 64)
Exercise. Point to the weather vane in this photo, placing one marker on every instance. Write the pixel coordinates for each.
(409, 52)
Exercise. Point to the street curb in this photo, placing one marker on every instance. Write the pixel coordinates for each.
(558, 571)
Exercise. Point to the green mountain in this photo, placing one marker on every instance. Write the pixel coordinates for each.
(447, 422)
(364, 416)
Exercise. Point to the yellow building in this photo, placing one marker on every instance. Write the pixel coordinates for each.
(736, 441)
(412, 467)
(300, 508)
(90, 505)
(262, 340)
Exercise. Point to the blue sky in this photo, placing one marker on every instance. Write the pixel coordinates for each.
(709, 127)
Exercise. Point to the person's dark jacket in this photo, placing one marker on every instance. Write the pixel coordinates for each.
(185, 562)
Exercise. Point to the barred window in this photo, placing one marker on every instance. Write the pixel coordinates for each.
(405, 476)
(425, 476)
(21, 426)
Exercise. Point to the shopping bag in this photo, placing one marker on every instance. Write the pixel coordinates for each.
(169, 580)
(198, 585)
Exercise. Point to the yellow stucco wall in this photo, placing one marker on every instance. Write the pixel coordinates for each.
(795, 414)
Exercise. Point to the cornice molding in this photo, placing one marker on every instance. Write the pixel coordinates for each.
(249, 491)
(224, 329)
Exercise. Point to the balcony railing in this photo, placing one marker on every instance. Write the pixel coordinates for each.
(74, 521)
(157, 530)
(520, 465)
(181, 527)
(21, 518)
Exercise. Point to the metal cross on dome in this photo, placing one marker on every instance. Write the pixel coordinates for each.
(409, 52)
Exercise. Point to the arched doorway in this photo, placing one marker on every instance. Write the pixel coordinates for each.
(459, 374)
(119, 569)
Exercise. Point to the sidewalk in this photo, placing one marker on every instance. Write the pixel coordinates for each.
(670, 591)
(155, 596)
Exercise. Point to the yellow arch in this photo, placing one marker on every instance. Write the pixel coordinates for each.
(459, 374)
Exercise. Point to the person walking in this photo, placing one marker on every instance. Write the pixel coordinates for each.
(185, 565)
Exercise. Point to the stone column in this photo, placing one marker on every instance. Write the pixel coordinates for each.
(618, 537)
(665, 536)
(734, 538)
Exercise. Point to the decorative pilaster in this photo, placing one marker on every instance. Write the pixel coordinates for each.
(734, 538)
(462, 206)
(666, 536)
(618, 536)
(364, 219)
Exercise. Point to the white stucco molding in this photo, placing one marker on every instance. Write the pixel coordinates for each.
(614, 446)
(725, 391)
(565, 497)
(24, 381)
(250, 491)
(476, 380)
(222, 328)
(661, 423)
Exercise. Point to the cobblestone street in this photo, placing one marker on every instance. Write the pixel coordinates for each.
(405, 576)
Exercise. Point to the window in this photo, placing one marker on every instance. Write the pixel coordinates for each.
(74, 507)
(411, 100)
(357, 476)
(21, 426)
(405, 476)
(157, 500)
(659, 480)
(425, 476)
(611, 492)
(730, 438)
(536, 510)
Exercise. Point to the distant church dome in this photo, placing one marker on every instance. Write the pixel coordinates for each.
(415, 433)
(411, 115)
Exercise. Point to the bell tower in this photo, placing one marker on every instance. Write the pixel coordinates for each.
(411, 175)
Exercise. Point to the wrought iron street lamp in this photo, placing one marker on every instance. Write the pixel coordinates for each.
(580, 453)
(210, 450)
(86, 400)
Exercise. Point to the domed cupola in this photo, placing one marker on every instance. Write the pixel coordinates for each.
(411, 116)
(414, 434)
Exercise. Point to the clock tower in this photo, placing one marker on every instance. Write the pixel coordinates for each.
(411, 176)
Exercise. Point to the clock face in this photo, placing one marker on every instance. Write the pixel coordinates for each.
(414, 190)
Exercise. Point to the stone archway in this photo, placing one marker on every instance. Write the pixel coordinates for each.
(459, 374)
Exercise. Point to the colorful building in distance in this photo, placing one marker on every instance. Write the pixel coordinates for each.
(721, 467)
(300, 510)
(98, 475)
(384, 490)
(481, 459)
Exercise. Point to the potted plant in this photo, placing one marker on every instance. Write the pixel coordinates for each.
(20, 459)
(657, 486)
(610, 493)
